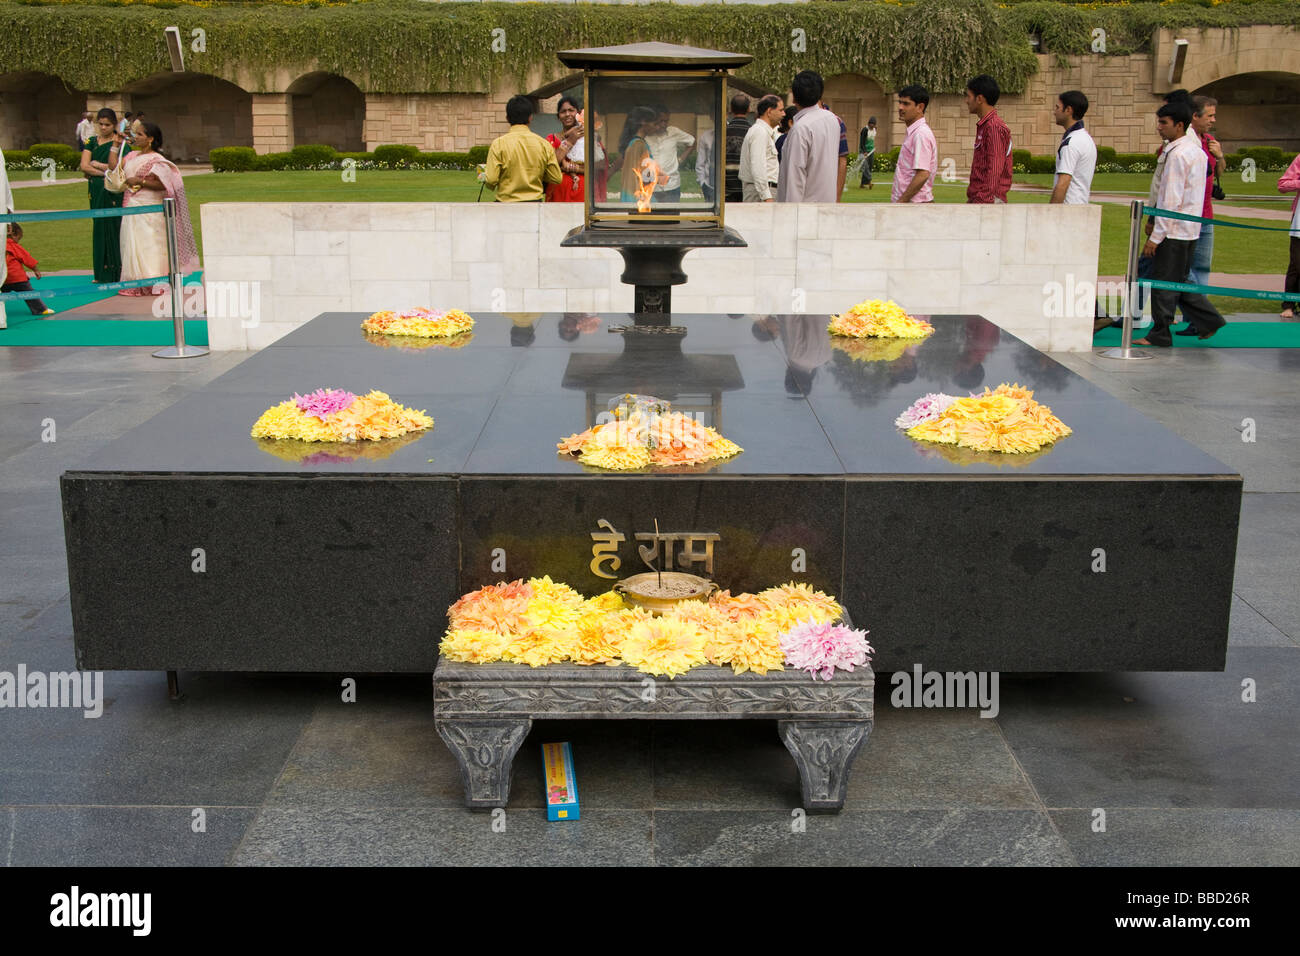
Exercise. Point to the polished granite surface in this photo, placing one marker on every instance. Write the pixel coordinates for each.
(779, 386)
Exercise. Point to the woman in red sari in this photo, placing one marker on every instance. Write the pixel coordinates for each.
(567, 153)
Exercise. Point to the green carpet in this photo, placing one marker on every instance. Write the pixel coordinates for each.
(17, 309)
(1234, 335)
(81, 332)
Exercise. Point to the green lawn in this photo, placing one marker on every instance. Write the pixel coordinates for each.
(66, 245)
(1265, 184)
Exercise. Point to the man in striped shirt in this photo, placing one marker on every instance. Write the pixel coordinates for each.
(990, 167)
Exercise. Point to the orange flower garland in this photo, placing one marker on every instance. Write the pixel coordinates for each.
(646, 432)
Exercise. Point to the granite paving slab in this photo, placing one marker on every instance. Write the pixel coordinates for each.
(1182, 838)
(1171, 740)
(859, 838)
(332, 836)
(121, 836)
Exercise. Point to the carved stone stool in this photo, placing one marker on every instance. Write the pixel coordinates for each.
(484, 711)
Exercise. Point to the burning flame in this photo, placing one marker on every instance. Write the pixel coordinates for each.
(650, 177)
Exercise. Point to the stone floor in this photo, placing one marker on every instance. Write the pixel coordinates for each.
(1184, 770)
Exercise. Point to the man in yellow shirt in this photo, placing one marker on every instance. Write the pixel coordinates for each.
(520, 163)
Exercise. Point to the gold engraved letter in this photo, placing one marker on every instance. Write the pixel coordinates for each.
(606, 549)
(688, 555)
(650, 555)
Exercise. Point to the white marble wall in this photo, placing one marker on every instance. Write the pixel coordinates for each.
(308, 258)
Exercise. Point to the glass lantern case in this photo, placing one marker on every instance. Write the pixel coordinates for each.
(650, 111)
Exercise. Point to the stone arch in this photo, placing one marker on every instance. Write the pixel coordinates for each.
(38, 108)
(855, 99)
(1257, 109)
(328, 109)
(196, 112)
(1255, 59)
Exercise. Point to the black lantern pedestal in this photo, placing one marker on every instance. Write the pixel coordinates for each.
(652, 258)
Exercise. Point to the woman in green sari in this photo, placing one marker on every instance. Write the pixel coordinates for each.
(100, 155)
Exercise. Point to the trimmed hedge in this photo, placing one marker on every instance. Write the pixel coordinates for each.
(1269, 158)
(233, 159)
(312, 155)
(396, 154)
(17, 158)
(64, 156)
(237, 159)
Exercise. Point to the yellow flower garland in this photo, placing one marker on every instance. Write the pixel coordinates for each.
(369, 417)
(541, 622)
(1006, 419)
(881, 319)
(422, 323)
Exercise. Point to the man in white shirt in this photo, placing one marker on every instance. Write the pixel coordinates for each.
(6, 196)
(84, 129)
(759, 165)
(1181, 189)
(704, 163)
(810, 155)
(664, 143)
(1076, 157)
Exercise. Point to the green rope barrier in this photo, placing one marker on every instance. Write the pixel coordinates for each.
(84, 289)
(1218, 290)
(1188, 217)
(81, 213)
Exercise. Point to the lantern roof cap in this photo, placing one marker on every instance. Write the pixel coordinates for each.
(651, 56)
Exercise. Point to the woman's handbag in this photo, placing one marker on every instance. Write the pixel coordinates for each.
(115, 179)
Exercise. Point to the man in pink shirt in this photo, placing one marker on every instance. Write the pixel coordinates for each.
(918, 158)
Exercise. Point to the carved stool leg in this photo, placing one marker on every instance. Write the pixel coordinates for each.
(824, 751)
(485, 750)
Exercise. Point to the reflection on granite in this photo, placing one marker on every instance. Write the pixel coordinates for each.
(323, 453)
(773, 384)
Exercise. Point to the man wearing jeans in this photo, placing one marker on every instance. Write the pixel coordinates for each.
(1181, 189)
(1203, 119)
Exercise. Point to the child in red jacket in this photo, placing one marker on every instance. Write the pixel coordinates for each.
(17, 261)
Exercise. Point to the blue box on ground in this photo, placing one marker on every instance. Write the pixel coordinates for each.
(561, 787)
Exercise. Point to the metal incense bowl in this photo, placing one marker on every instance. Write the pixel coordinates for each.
(645, 590)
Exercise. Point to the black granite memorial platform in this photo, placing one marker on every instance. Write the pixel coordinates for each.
(953, 560)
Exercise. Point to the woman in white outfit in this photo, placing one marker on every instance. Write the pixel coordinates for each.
(150, 177)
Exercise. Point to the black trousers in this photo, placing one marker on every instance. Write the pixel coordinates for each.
(36, 305)
(1171, 263)
(1293, 275)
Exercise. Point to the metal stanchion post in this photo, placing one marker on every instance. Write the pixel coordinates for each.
(180, 349)
(1125, 350)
